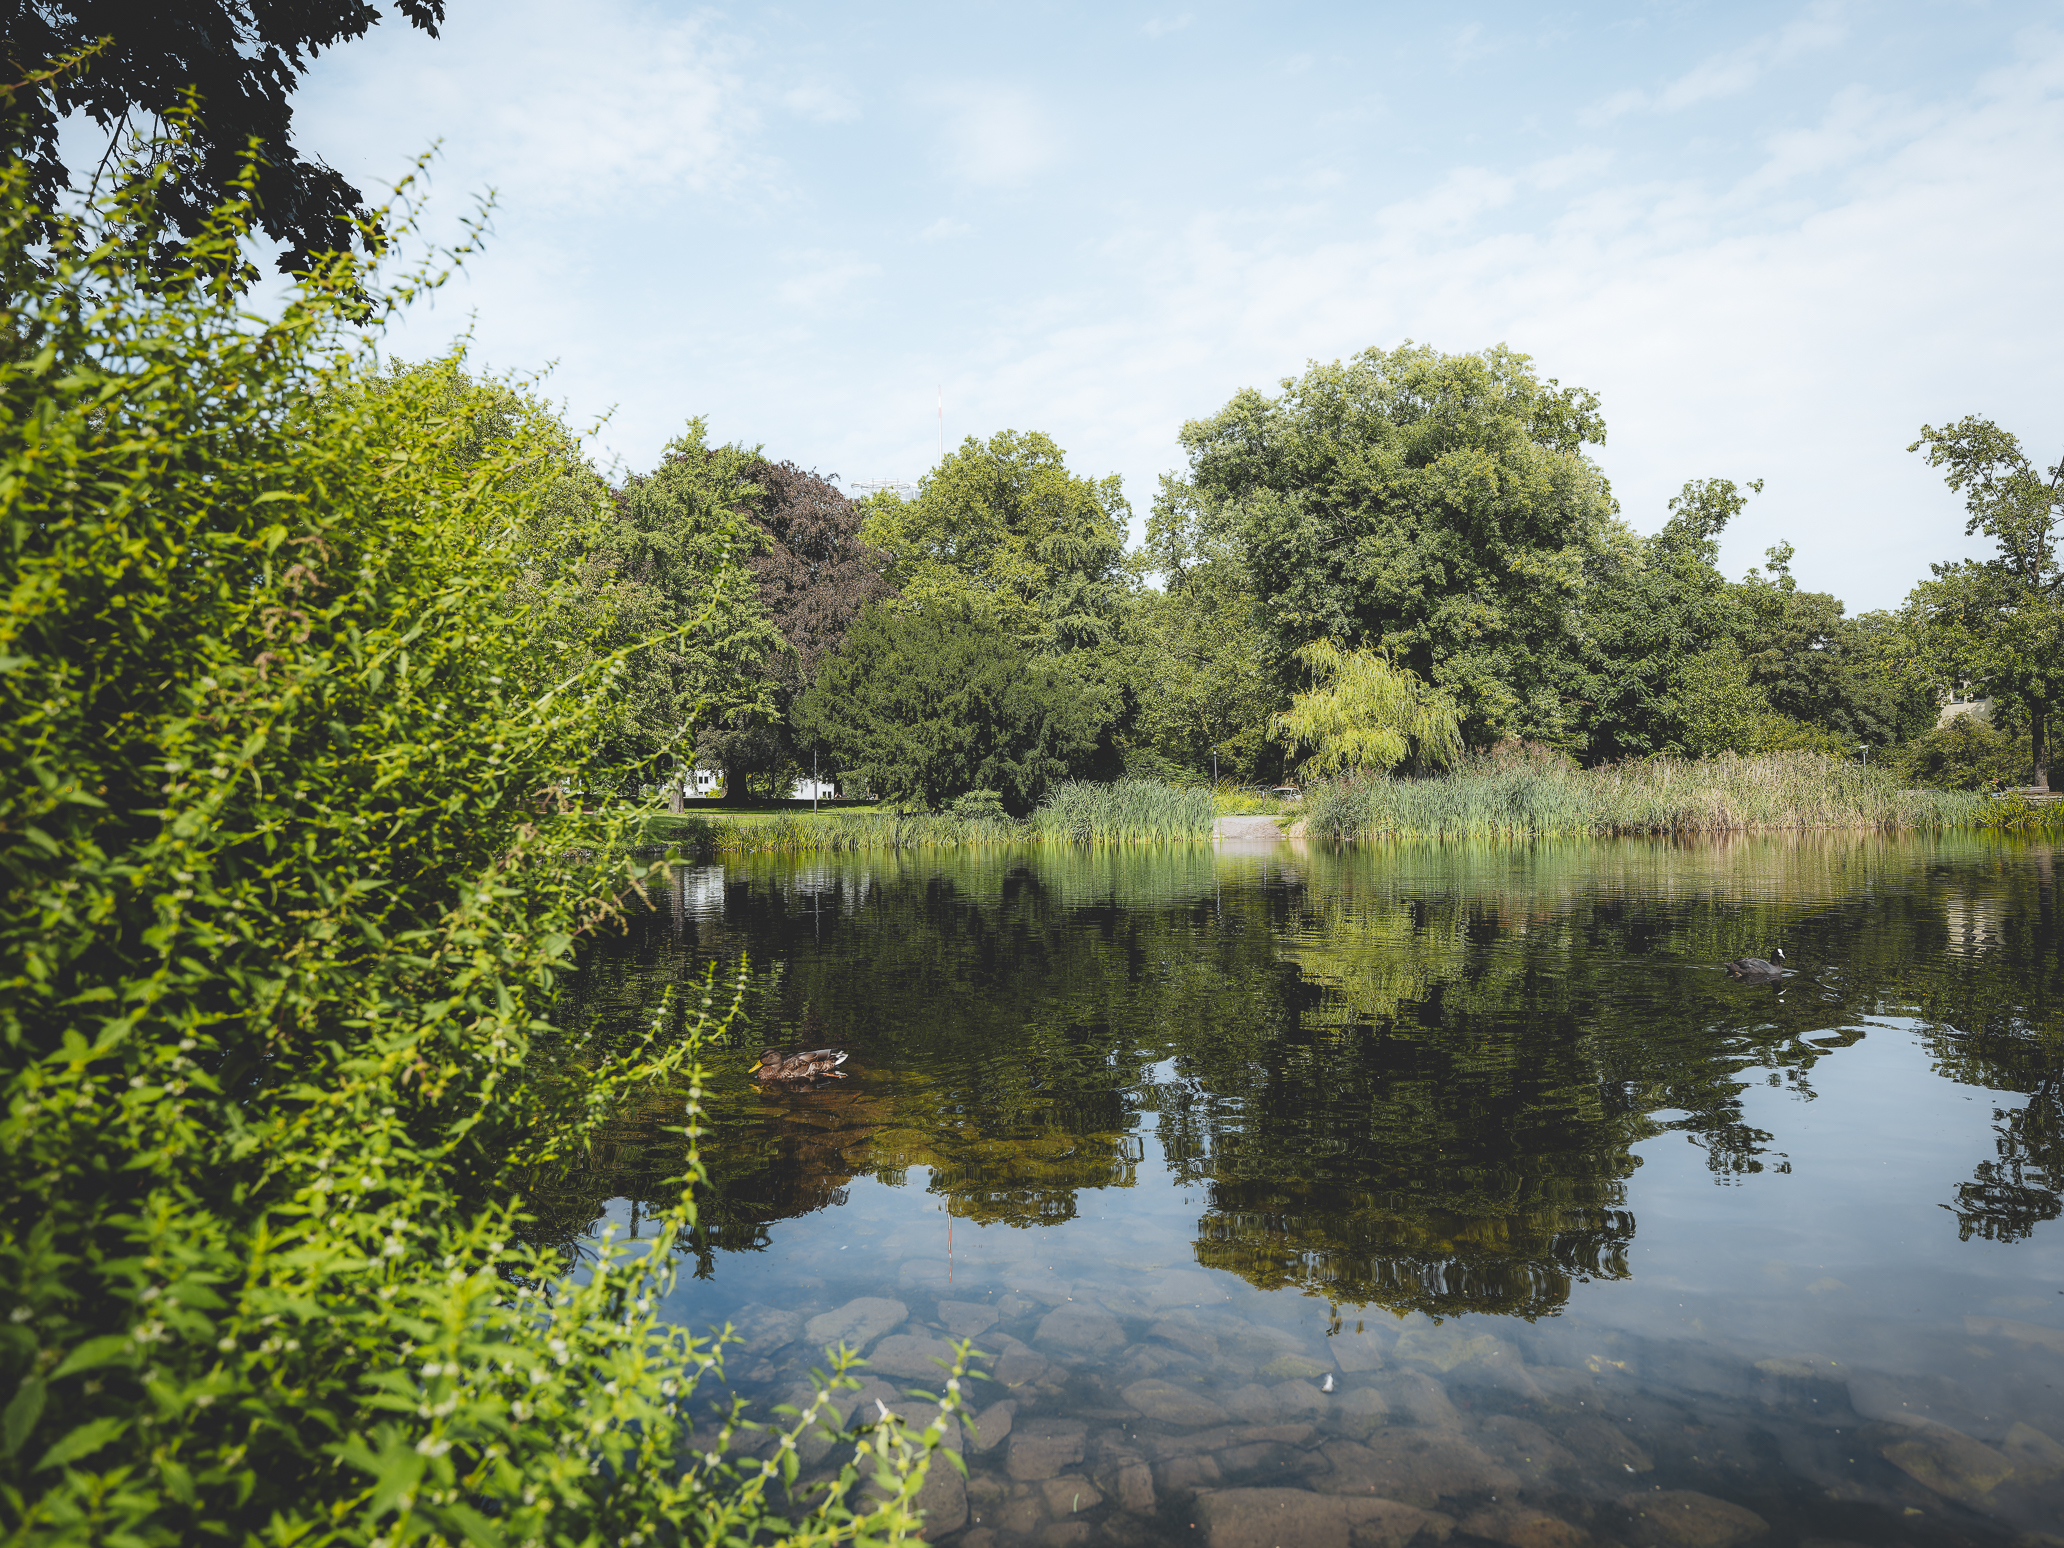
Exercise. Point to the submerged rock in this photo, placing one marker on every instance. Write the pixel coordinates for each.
(1684, 1518)
(1422, 1399)
(1071, 1494)
(993, 1425)
(1519, 1526)
(1286, 1366)
(1040, 1448)
(1356, 1351)
(912, 1355)
(1165, 1401)
(1418, 1467)
(766, 1328)
(964, 1319)
(1949, 1462)
(1297, 1518)
(1185, 1287)
(1601, 1445)
(1080, 1329)
(2036, 1458)
(857, 1323)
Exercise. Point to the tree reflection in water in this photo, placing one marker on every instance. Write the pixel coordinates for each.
(1404, 1077)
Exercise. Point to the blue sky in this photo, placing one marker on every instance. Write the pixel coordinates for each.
(1775, 238)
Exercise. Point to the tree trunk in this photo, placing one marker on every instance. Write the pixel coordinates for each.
(673, 795)
(2038, 728)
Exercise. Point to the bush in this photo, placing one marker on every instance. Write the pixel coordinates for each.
(1966, 754)
(927, 705)
(289, 881)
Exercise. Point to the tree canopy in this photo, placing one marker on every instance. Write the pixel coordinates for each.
(242, 62)
(1997, 622)
(1438, 508)
(1002, 527)
(927, 705)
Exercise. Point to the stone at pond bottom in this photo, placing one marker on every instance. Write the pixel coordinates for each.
(1684, 1518)
(993, 1424)
(1186, 1333)
(1443, 1348)
(1136, 1488)
(857, 1323)
(912, 1355)
(1418, 1467)
(1295, 1518)
(1165, 1401)
(1185, 1287)
(1016, 1365)
(1286, 1366)
(766, 1328)
(1602, 1445)
(964, 1319)
(1080, 1329)
(1421, 1399)
(1361, 1411)
(1040, 1448)
(1356, 1351)
(2036, 1458)
(1519, 1527)
(1070, 1494)
(1948, 1461)
(943, 1499)
(1186, 1475)
(1253, 1403)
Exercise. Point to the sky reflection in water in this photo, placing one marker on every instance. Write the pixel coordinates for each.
(1194, 1119)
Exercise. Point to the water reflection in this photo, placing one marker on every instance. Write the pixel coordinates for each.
(1414, 1082)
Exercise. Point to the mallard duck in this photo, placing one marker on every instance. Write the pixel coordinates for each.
(1754, 970)
(816, 1064)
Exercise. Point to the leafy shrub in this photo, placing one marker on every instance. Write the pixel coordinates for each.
(288, 882)
(1966, 754)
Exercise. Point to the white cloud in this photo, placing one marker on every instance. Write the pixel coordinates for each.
(823, 277)
(1162, 26)
(1733, 72)
(996, 135)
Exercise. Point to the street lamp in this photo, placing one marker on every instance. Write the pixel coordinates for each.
(1864, 748)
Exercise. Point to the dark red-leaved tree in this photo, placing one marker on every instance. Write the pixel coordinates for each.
(815, 577)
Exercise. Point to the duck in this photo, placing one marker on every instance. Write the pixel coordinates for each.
(814, 1064)
(1754, 970)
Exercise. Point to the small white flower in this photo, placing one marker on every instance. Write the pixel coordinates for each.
(433, 1446)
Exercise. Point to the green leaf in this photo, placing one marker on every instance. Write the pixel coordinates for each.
(95, 1352)
(22, 1414)
(82, 1442)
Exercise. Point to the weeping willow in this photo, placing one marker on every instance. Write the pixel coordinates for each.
(1365, 712)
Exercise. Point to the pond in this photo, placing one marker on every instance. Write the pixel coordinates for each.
(1381, 1194)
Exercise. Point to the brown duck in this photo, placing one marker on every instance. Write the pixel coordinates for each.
(816, 1064)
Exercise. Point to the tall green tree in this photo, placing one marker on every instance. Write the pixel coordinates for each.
(668, 581)
(815, 575)
(1002, 528)
(1655, 612)
(1440, 509)
(1998, 621)
(1201, 665)
(927, 705)
(1362, 712)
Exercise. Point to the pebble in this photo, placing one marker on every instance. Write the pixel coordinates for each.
(857, 1323)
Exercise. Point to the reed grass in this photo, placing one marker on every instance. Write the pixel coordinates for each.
(1532, 797)
(1084, 811)
(1079, 811)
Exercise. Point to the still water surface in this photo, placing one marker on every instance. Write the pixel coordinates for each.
(1594, 1243)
